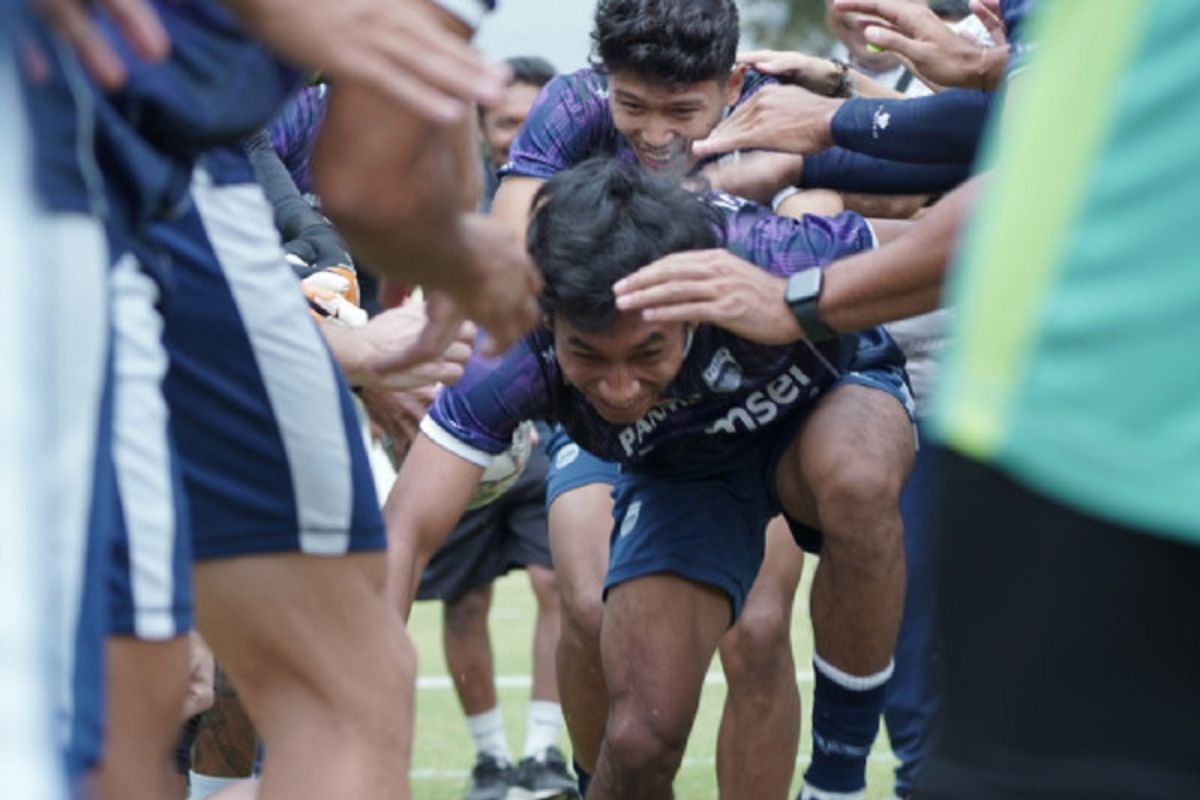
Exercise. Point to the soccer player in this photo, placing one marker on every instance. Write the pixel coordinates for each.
(715, 434)
(667, 79)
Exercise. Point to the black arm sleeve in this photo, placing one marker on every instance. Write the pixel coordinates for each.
(943, 128)
(292, 212)
(847, 171)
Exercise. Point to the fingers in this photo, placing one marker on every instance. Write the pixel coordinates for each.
(888, 39)
(70, 18)
(141, 27)
(693, 265)
(992, 21)
(732, 134)
(893, 13)
(440, 331)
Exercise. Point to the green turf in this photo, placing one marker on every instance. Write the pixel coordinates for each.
(443, 752)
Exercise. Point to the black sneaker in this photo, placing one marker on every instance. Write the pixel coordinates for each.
(490, 779)
(544, 776)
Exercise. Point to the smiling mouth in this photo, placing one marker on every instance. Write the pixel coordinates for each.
(664, 159)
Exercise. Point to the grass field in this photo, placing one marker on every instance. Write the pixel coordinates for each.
(443, 753)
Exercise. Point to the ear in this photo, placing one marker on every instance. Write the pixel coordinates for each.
(733, 87)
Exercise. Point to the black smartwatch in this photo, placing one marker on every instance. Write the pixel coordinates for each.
(803, 291)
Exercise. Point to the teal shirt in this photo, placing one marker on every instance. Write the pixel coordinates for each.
(1073, 363)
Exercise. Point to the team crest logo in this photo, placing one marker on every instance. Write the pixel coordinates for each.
(723, 374)
(567, 455)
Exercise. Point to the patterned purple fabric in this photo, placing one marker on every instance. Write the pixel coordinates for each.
(294, 132)
(727, 387)
(571, 121)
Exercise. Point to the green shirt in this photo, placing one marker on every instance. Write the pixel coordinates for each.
(1075, 358)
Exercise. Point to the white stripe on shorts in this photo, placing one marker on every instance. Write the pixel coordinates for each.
(141, 455)
(296, 367)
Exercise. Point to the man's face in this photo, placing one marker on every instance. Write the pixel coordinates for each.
(502, 123)
(624, 370)
(661, 122)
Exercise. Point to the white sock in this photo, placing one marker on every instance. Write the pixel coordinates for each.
(201, 786)
(542, 725)
(487, 729)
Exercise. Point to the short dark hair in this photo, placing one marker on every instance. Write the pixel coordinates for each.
(531, 70)
(672, 42)
(603, 220)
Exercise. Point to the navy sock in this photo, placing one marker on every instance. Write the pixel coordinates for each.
(846, 711)
(582, 776)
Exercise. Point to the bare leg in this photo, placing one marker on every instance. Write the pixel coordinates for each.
(760, 725)
(323, 665)
(468, 648)
(658, 638)
(147, 683)
(580, 524)
(545, 633)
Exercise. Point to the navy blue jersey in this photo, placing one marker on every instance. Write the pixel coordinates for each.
(727, 387)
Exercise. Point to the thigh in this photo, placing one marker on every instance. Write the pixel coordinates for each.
(856, 435)
(272, 456)
(580, 523)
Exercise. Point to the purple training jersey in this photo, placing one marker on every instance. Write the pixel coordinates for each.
(294, 133)
(727, 387)
(571, 121)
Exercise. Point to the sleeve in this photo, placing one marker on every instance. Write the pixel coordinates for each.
(848, 171)
(294, 133)
(475, 418)
(943, 128)
(566, 124)
(784, 246)
(292, 212)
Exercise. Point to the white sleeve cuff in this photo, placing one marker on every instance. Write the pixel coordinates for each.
(444, 439)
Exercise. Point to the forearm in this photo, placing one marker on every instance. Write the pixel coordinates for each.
(901, 279)
(850, 171)
(943, 128)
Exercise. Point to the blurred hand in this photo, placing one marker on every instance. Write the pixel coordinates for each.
(786, 118)
(395, 349)
(929, 47)
(755, 175)
(135, 18)
(400, 48)
(398, 414)
(818, 75)
(501, 293)
(201, 673)
(712, 286)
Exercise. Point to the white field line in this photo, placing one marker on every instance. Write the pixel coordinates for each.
(440, 682)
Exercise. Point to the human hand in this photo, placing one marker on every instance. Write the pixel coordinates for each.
(400, 48)
(712, 286)
(136, 20)
(786, 118)
(500, 292)
(756, 176)
(201, 673)
(398, 414)
(927, 45)
(395, 350)
(819, 75)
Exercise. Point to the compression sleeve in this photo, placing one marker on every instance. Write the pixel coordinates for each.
(848, 171)
(292, 212)
(943, 128)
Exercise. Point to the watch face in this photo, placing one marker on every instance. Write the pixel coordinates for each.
(803, 285)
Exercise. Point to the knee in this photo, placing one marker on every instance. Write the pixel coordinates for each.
(757, 651)
(859, 506)
(646, 744)
(545, 587)
(467, 613)
(582, 612)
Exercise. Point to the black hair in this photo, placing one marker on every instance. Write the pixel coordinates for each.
(531, 70)
(602, 220)
(951, 10)
(671, 42)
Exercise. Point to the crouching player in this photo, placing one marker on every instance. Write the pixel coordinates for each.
(715, 433)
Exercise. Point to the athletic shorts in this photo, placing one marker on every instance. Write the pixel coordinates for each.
(572, 467)
(488, 542)
(268, 437)
(1070, 649)
(708, 524)
(150, 577)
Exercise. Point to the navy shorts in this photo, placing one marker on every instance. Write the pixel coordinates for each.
(273, 460)
(572, 467)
